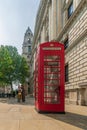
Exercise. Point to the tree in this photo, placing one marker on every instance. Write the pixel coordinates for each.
(5, 64)
(23, 70)
(13, 67)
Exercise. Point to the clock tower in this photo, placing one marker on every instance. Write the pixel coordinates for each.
(26, 52)
(27, 44)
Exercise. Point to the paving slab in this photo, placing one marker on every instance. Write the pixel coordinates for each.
(23, 116)
(6, 124)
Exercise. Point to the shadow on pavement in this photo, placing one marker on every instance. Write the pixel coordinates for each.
(14, 101)
(3, 101)
(71, 118)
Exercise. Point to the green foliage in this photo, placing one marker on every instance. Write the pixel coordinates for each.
(13, 67)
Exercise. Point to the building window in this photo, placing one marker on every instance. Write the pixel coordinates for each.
(66, 43)
(66, 73)
(29, 48)
(70, 9)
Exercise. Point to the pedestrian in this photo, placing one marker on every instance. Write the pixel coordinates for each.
(23, 93)
(9, 93)
(14, 94)
(19, 93)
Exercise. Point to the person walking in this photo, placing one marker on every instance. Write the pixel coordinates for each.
(19, 93)
(23, 93)
(9, 93)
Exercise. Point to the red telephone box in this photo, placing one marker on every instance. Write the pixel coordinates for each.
(49, 77)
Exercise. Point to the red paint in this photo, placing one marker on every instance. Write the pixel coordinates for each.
(49, 77)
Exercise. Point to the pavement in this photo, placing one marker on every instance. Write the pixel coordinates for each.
(23, 116)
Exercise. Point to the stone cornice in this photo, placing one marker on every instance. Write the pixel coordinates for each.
(82, 36)
(39, 22)
(71, 19)
(39, 18)
(66, 5)
(83, 85)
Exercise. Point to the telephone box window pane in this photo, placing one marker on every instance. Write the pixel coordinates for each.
(55, 63)
(48, 58)
(55, 76)
(51, 82)
(47, 70)
(51, 48)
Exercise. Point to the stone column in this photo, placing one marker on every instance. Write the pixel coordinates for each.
(50, 22)
(43, 34)
(85, 96)
(65, 16)
(53, 19)
(75, 3)
(59, 15)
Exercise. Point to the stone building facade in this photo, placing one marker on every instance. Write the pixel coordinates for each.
(66, 21)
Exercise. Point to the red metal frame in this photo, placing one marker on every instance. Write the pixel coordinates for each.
(49, 77)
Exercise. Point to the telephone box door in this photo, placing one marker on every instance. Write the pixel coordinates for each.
(51, 78)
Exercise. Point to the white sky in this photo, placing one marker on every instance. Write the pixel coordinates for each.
(15, 17)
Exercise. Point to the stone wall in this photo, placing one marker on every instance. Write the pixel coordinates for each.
(76, 57)
(78, 27)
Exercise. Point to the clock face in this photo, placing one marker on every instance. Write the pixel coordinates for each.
(28, 39)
